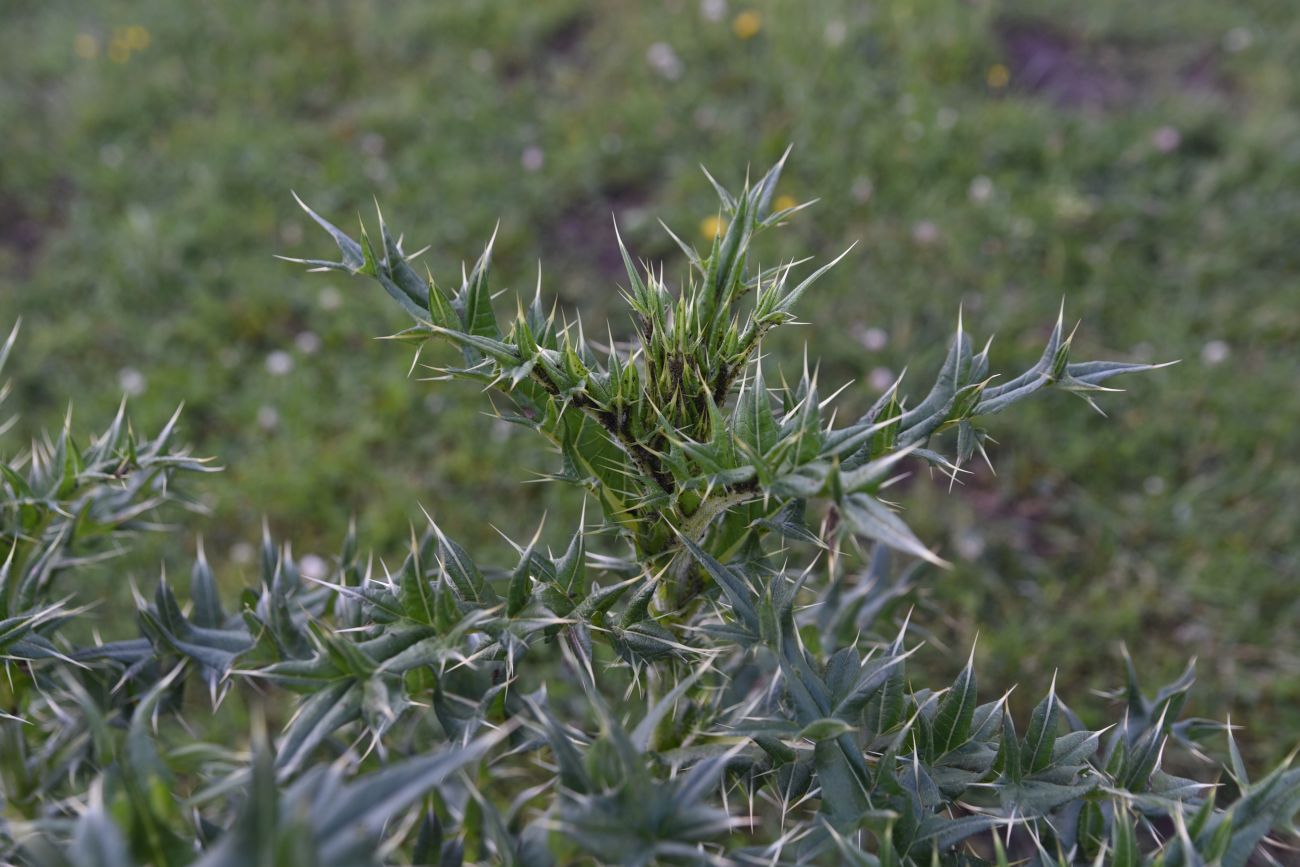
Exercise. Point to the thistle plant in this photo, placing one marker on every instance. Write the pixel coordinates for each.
(711, 667)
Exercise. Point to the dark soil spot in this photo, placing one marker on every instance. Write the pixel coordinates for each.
(1023, 518)
(586, 227)
(565, 39)
(20, 233)
(562, 43)
(1202, 73)
(23, 232)
(1103, 74)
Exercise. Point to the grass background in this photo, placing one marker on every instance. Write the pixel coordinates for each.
(1142, 162)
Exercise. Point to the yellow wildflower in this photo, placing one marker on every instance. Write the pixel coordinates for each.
(999, 76)
(747, 24)
(782, 203)
(712, 227)
(136, 37)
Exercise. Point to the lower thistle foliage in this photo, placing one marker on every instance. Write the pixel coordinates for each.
(713, 670)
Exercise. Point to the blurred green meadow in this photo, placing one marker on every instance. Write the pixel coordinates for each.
(1141, 161)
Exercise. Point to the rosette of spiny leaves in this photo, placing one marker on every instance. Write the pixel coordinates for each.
(63, 506)
(677, 433)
